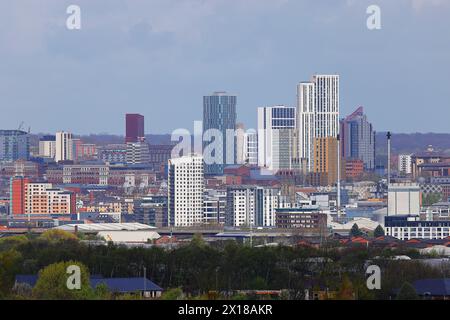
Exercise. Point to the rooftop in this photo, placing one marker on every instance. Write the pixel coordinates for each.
(96, 227)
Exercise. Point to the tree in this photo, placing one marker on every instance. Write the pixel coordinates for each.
(55, 235)
(346, 290)
(378, 232)
(12, 242)
(197, 240)
(355, 232)
(52, 283)
(407, 292)
(101, 292)
(9, 264)
(172, 294)
(431, 198)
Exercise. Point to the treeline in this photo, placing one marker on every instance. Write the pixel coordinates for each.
(198, 268)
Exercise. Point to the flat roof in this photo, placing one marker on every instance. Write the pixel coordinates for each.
(96, 227)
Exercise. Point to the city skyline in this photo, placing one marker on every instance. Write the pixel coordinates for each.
(150, 58)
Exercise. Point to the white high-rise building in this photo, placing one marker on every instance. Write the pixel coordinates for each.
(276, 138)
(251, 147)
(306, 121)
(240, 141)
(64, 146)
(185, 191)
(326, 104)
(47, 147)
(251, 206)
(317, 113)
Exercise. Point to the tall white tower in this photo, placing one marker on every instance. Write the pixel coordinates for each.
(185, 191)
(317, 113)
(306, 121)
(64, 146)
(276, 126)
(326, 105)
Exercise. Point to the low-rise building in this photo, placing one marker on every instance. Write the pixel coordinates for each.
(307, 218)
(406, 227)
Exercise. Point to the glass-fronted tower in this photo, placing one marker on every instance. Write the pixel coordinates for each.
(14, 145)
(219, 118)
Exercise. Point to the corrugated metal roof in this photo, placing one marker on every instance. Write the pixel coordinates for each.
(92, 227)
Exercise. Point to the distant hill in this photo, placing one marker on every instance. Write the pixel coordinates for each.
(413, 142)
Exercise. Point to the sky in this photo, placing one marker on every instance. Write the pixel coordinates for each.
(160, 57)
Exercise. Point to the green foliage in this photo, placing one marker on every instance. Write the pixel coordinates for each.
(431, 198)
(55, 235)
(378, 232)
(200, 268)
(346, 290)
(172, 294)
(9, 265)
(355, 232)
(407, 292)
(52, 283)
(239, 296)
(197, 240)
(101, 292)
(12, 242)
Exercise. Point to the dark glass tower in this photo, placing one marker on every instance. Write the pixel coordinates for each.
(219, 112)
(134, 127)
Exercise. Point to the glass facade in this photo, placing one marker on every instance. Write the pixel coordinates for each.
(219, 112)
(14, 145)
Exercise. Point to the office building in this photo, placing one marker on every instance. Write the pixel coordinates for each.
(101, 174)
(407, 227)
(22, 168)
(113, 153)
(404, 199)
(354, 168)
(219, 125)
(134, 127)
(325, 161)
(47, 147)
(185, 191)
(276, 138)
(214, 204)
(405, 163)
(64, 146)
(137, 153)
(159, 154)
(14, 145)
(307, 219)
(250, 147)
(358, 139)
(251, 206)
(84, 151)
(150, 210)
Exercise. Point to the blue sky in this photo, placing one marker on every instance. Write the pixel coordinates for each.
(159, 57)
